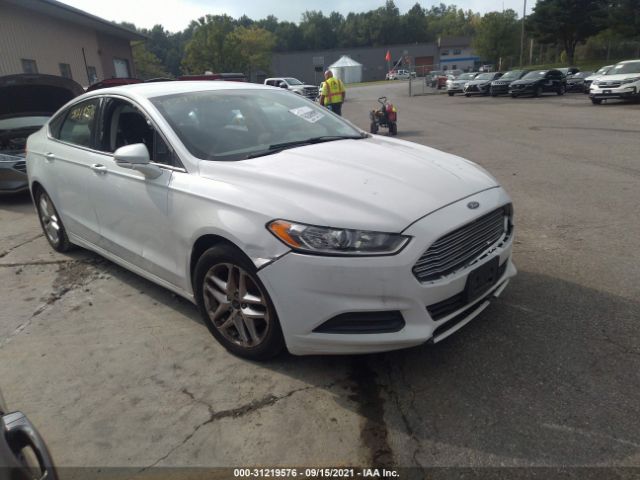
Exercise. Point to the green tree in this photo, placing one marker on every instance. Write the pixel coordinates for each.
(415, 26)
(497, 36)
(250, 49)
(566, 23)
(205, 49)
(624, 18)
(147, 65)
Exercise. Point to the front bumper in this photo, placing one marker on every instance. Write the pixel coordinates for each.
(500, 88)
(455, 88)
(619, 92)
(308, 290)
(575, 86)
(480, 89)
(13, 174)
(522, 89)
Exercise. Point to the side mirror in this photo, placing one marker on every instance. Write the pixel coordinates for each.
(283, 85)
(136, 157)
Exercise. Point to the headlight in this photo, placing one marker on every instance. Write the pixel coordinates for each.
(630, 80)
(336, 241)
(595, 82)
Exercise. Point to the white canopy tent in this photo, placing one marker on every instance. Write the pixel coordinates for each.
(347, 70)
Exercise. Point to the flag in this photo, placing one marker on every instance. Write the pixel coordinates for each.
(387, 57)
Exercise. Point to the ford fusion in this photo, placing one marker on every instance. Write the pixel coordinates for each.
(286, 225)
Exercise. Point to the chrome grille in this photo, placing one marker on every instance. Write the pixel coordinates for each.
(611, 84)
(463, 246)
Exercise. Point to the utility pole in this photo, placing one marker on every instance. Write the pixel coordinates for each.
(524, 15)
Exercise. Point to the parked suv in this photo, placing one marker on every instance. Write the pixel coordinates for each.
(501, 85)
(622, 81)
(481, 84)
(295, 85)
(457, 85)
(538, 82)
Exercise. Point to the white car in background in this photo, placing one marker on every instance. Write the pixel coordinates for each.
(285, 224)
(400, 75)
(622, 81)
(595, 76)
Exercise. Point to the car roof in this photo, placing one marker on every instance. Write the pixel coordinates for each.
(629, 61)
(157, 89)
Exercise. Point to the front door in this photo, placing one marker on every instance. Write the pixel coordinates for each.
(133, 209)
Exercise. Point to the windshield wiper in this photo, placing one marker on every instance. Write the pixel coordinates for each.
(278, 147)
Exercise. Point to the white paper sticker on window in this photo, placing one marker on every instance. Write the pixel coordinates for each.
(307, 113)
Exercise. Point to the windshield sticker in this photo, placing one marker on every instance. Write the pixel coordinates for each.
(307, 113)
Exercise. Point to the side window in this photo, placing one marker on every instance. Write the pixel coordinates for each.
(79, 124)
(124, 124)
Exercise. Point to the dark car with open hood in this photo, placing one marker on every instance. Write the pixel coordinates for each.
(23, 454)
(538, 82)
(26, 103)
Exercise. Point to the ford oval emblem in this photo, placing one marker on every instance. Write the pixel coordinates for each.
(473, 205)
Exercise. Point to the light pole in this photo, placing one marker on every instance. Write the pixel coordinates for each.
(524, 15)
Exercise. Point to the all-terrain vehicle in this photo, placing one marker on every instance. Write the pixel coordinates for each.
(386, 116)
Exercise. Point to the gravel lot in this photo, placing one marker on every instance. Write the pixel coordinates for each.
(115, 371)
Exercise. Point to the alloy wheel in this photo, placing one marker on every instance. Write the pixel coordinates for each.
(49, 218)
(236, 305)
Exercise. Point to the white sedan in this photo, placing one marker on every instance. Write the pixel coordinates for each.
(285, 224)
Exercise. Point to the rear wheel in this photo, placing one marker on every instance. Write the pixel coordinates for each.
(51, 223)
(467, 95)
(235, 306)
(596, 101)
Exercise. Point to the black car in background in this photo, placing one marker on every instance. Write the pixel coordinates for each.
(538, 82)
(576, 82)
(23, 454)
(26, 103)
(501, 85)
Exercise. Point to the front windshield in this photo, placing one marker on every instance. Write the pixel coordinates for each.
(227, 125)
(511, 75)
(22, 122)
(485, 76)
(535, 74)
(467, 76)
(622, 68)
(293, 81)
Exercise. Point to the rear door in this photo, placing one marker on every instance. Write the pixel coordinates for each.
(69, 160)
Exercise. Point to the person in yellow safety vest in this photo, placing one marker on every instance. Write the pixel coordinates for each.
(333, 93)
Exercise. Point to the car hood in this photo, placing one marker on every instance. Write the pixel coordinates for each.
(617, 78)
(478, 82)
(374, 183)
(40, 94)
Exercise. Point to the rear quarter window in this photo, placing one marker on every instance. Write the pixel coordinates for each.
(78, 125)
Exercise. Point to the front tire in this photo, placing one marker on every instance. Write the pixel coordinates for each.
(538, 91)
(51, 223)
(450, 94)
(596, 101)
(235, 305)
(562, 90)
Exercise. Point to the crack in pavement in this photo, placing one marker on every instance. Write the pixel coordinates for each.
(38, 262)
(11, 249)
(241, 411)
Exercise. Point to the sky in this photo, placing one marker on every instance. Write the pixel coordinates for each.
(175, 15)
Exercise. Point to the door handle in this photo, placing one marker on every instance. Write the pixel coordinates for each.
(49, 157)
(19, 433)
(99, 168)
